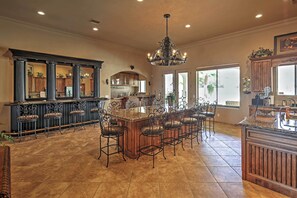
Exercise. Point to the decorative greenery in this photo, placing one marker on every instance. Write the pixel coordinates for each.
(39, 74)
(3, 136)
(261, 52)
(60, 76)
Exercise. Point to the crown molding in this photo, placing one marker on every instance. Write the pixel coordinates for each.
(241, 33)
(70, 34)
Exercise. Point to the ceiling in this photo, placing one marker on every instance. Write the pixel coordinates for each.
(141, 24)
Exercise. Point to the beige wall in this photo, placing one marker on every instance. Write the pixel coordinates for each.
(18, 35)
(227, 49)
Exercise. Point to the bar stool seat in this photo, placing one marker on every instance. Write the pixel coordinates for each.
(155, 130)
(113, 130)
(173, 124)
(189, 120)
(28, 118)
(94, 110)
(79, 112)
(53, 115)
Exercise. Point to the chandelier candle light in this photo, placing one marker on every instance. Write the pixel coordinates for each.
(166, 55)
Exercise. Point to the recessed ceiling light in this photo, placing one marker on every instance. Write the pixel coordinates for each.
(259, 16)
(187, 26)
(41, 13)
(140, 0)
(95, 29)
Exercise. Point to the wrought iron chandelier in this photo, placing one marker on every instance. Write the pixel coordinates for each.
(167, 55)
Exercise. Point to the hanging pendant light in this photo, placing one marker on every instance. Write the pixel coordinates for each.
(167, 55)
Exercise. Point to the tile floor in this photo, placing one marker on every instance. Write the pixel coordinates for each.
(67, 166)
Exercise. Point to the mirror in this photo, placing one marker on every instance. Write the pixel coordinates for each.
(86, 81)
(64, 81)
(35, 80)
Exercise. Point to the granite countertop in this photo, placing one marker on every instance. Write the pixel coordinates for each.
(277, 123)
(61, 101)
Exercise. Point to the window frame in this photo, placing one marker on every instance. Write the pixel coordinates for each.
(141, 86)
(217, 79)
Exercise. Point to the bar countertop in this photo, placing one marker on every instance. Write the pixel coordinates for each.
(278, 123)
(50, 101)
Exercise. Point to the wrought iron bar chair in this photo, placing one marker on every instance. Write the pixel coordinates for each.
(173, 127)
(152, 131)
(78, 113)
(130, 104)
(26, 113)
(54, 112)
(191, 127)
(113, 106)
(199, 108)
(210, 116)
(110, 132)
(95, 110)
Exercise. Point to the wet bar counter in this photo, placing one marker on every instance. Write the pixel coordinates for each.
(41, 110)
(269, 153)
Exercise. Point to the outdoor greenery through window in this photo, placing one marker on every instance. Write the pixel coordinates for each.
(286, 80)
(221, 85)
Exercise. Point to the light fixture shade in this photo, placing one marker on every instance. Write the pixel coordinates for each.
(167, 55)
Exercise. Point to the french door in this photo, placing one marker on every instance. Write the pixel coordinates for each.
(176, 83)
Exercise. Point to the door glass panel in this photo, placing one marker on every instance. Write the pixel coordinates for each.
(168, 84)
(183, 87)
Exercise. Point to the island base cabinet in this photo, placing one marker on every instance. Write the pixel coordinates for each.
(269, 159)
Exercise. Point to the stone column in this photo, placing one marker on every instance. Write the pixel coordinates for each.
(96, 81)
(51, 80)
(19, 80)
(76, 81)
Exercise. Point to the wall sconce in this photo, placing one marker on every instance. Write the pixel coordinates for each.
(106, 81)
(149, 83)
(132, 67)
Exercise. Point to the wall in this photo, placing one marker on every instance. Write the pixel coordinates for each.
(19, 35)
(226, 49)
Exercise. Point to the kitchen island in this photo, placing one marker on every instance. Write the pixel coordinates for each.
(269, 153)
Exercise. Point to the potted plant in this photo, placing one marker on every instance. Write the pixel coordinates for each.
(171, 99)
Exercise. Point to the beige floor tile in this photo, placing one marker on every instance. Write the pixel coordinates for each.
(112, 190)
(144, 174)
(232, 160)
(171, 174)
(178, 189)
(23, 189)
(238, 170)
(232, 144)
(80, 190)
(217, 144)
(225, 151)
(213, 160)
(209, 190)
(49, 189)
(148, 190)
(224, 174)
(206, 151)
(198, 174)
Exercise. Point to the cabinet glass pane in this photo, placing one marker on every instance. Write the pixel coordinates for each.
(86, 82)
(64, 81)
(286, 80)
(35, 80)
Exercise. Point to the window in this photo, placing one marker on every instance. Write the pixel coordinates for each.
(221, 85)
(64, 81)
(286, 80)
(168, 81)
(142, 86)
(86, 82)
(35, 80)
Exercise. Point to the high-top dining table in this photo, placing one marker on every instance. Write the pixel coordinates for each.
(134, 119)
